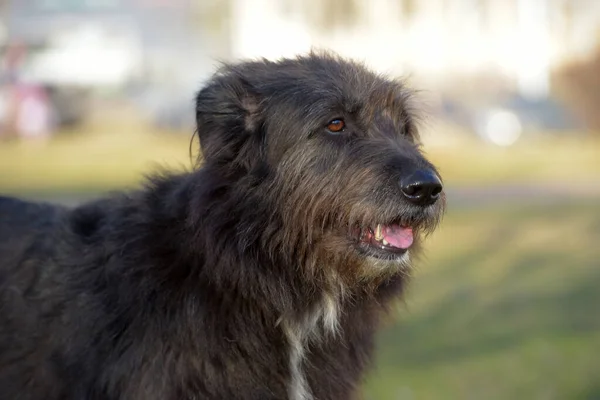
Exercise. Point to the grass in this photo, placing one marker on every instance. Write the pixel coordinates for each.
(89, 162)
(573, 159)
(96, 162)
(504, 307)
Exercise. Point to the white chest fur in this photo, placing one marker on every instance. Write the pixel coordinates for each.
(312, 327)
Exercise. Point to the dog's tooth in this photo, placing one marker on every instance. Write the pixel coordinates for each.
(385, 243)
(378, 232)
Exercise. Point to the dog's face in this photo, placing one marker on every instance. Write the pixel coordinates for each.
(337, 148)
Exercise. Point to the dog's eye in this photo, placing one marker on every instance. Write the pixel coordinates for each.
(336, 125)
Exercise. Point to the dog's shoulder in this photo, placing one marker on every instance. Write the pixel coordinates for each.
(26, 239)
(16, 214)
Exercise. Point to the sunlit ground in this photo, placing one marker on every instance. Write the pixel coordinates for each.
(506, 306)
(100, 161)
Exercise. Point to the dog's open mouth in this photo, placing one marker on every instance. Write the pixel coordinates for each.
(384, 241)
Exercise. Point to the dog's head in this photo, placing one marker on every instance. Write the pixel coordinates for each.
(336, 149)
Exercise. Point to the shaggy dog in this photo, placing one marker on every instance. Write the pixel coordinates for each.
(260, 275)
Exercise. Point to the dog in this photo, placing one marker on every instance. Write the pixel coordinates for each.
(261, 274)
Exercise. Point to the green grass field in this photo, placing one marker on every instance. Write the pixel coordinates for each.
(99, 161)
(505, 306)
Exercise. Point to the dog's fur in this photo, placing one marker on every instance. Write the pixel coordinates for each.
(239, 280)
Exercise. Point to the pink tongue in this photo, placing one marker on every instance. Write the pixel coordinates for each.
(398, 236)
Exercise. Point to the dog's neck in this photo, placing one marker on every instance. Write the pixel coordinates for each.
(277, 300)
(238, 222)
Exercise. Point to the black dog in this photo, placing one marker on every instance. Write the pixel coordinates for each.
(261, 275)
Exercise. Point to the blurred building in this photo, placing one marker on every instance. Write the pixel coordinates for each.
(158, 52)
(151, 51)
(106, 41)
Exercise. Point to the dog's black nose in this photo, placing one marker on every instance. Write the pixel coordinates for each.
(422, 187)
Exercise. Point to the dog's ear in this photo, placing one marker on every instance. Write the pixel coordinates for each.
(229, 123)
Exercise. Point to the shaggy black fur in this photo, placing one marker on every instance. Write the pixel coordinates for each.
(248, 278)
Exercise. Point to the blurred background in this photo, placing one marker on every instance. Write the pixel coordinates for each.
(95, 93)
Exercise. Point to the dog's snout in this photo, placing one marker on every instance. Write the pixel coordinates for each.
(422, 187)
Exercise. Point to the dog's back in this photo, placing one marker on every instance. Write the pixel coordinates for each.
(23, 225)
(27, 243)
(19, 215)
(22, 214)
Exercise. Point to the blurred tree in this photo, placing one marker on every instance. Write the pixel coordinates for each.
(326, 14)
(213, 15)
(579, 84)
(212, 19)
(408, 7)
